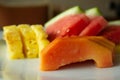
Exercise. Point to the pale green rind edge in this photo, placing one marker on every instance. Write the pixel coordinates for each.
(115, 22)
(73, 10)
(93, 12)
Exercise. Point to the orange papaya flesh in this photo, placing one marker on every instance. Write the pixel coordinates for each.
(104, 42)
(66, 50)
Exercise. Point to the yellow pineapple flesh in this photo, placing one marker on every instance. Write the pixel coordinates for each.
(14, 42)
(29, 40)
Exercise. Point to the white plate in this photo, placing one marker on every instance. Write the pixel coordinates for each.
(28, 69)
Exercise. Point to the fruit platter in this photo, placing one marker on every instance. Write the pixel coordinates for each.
(76, 44)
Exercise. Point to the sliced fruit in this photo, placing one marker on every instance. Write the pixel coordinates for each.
(67, 26)
(96, 25)
(25, 41)
(93, 12)
(100, 40)
(31, 49)
(41, 37)
(66, 50)
(13, 41)
(73, 10)
(112, 33)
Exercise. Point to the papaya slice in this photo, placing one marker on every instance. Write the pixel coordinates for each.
(100, 40)
(66, 50)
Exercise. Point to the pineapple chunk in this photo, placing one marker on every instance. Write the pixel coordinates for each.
(14, 42)
(25, 41)
(41, 37)
(31, 49)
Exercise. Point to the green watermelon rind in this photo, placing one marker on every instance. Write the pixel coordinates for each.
(73, 10)
(93, 12)
(115, 22)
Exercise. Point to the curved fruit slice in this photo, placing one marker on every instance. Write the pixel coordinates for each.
(67, 26)
(66, 50)
(112, 33)
(96, 25)
(73, 10)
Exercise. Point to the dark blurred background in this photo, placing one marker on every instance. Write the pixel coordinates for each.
(40, 11)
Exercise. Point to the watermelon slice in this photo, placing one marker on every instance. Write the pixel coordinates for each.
(112, 33)
(73, 10)
(67, 26)
(96, 25)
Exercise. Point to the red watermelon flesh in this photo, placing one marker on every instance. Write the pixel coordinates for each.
(67, 26)
(112, 33)
(96, 25)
